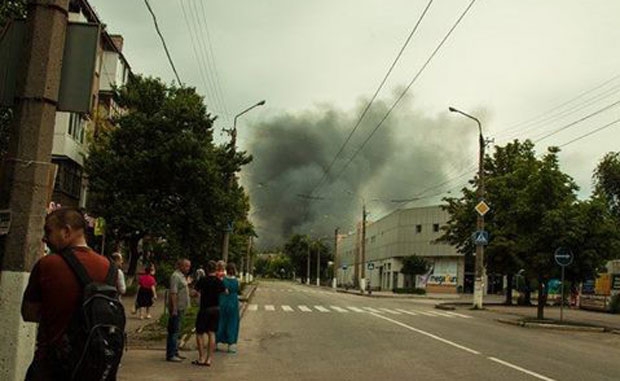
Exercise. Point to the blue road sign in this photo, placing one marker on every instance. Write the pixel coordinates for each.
(481, 238)
(563, 256)
(371, 266)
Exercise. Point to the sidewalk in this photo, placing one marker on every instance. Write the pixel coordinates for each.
(572, 316)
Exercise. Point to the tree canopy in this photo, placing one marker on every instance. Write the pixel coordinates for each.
(534, 211)
(158, 173)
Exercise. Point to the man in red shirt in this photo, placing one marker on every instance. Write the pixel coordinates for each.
(53, 292)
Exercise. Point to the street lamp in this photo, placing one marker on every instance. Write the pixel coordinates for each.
(233, 143)
(480, 270)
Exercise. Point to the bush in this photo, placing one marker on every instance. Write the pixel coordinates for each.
(416, 291)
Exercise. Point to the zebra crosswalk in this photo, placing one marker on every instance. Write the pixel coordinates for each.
(353, 309)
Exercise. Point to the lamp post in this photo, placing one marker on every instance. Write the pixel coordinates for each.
(479, 270)
(233, 143)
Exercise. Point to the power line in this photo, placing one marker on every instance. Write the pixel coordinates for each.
(207, 58)
(583, 93)
(196, 55)
(374, 96)
(203, 60)
(211, 50)
(567, 112)
(402, 95)
(590, 133)
(577, 121)
(174, 69)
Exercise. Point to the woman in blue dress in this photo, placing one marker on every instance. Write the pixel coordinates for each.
(228, 329)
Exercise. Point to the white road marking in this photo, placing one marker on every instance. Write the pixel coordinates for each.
(253, 307)
(372, 310)
(432, 336)
(339, 309)
(464, 348)
(425, 313)
(270, 307)
(355, 309)
(441, 314)
(288, 308)
(390, 311)
(304, 308)
(406, 312)
(505, 363)
(459, 315)
(321, 308)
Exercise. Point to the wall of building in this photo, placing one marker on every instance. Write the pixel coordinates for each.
(400, 234)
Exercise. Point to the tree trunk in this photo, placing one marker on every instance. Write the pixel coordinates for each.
(509, 289)
(542, 300)
(132, 243)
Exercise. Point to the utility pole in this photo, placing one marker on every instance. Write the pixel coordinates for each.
(308, 269)
(231, 176)
(479, 283)
(336, 264)
(25, 186)
(363, 269)
(480, 275)
(247, 259)
(318, 265)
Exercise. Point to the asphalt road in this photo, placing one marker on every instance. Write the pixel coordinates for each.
(297, 332)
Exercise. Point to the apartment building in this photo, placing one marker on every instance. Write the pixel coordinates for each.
(72, 130)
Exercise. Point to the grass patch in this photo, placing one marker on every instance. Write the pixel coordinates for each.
(188, 323)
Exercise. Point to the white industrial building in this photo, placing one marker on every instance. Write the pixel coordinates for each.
(402, 233)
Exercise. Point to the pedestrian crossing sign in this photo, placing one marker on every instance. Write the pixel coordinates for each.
(481, 238)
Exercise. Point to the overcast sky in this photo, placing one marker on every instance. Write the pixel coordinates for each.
(507, 62)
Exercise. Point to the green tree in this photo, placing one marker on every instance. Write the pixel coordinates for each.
(534, 211)
(414, 265)
(297, 249)
(607, 182)
(158, 172)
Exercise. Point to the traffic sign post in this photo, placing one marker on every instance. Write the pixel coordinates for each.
(563, 257)
(371, 266)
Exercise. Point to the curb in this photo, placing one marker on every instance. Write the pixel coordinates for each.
(445, 307)
(558, 327)
(394, 296)
(246, 301)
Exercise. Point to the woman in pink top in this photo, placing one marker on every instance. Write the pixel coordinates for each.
(146, 292)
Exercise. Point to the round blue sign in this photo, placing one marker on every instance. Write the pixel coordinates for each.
(563, 256)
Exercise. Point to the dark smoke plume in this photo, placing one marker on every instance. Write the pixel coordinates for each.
(409, 153)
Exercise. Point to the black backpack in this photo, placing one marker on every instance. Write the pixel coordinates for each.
(92, 347)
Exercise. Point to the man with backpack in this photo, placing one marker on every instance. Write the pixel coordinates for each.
(71, 293)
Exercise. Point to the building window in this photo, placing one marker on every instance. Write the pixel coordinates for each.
(418, 228)
(372, 239)
(436, 228)
(76, 127)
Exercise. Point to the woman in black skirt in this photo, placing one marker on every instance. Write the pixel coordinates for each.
(146, 292)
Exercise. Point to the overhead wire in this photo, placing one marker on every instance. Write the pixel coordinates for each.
(557, 116)
(402, 95)
(590, 133)
(597, 112)
(214, 61)
(193, 25)
(163, 41)
(374, 96)
(196, 55)
(529, 121)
